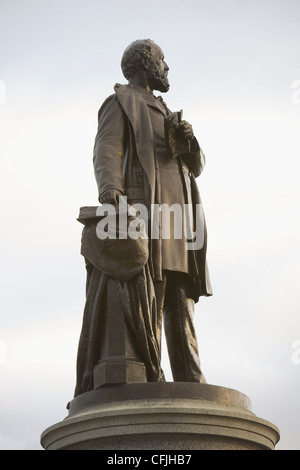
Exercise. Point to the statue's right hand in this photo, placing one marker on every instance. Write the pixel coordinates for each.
(110, 196)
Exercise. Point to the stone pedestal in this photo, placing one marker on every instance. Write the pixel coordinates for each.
(161, 416)
(119, 361)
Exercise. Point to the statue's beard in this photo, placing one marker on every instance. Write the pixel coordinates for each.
(158, 81)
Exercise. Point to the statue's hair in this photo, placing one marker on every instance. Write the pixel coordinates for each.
(131, 59)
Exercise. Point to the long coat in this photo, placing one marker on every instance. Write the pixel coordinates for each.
(124, 159)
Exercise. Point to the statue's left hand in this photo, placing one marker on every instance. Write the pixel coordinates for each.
(185, 130)
(110, 196)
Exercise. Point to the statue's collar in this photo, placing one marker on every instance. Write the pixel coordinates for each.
(147, 96)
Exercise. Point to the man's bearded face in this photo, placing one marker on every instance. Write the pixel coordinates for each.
(158, 71)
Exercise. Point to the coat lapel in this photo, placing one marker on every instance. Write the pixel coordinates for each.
(137, 112)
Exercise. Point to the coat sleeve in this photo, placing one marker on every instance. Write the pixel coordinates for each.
(189, 151)
(109, 146)
(195, 158)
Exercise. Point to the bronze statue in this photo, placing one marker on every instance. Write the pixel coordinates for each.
(147, 158)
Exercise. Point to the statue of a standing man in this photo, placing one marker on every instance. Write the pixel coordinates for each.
(149, 155)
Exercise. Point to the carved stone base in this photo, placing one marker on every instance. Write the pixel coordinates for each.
(119, 370)
(161, 416)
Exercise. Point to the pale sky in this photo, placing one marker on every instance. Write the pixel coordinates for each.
(235, 72)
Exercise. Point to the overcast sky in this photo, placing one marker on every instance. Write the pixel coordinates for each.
(235, 72)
